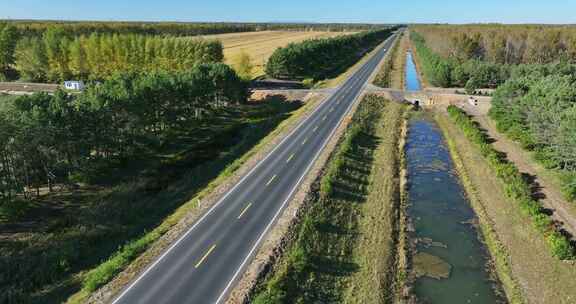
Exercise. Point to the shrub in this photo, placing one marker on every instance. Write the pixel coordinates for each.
(11, 209)
(569, 185)
(514, 185)
(561, 247)
(308, 83)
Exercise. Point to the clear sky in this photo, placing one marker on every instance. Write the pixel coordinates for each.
(370, 11)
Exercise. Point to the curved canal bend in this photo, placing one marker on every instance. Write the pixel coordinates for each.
(449, 260)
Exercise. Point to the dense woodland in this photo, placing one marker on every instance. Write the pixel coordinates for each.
(78, 28)
(62, 138)
(534, 70)
(537, 107)
(56, 56)
(322, 58)
(450, 72)
(502, 44)
(477, 56)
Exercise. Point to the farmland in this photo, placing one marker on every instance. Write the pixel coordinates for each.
(260, 45)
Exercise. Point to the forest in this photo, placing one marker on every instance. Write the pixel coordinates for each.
(502, 44)
(56, 56)
(323, 58)
(537, 107)
(62, 138)
(476, 56)
(533, 69)
(78, 28)
(450, 72)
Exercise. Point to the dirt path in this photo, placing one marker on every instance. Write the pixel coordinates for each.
(516, 247)
(544, 188)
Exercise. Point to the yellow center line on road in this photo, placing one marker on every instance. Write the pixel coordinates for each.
(271, 180)
(290, 158)
(205, 256)
(244, 211)
(305, 140)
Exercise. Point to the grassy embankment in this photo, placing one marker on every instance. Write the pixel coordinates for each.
(515, 185)
(345, 247)
(527, 263)
(391, 74)
(424, 81)
(260, 45)
(79, 239)
(498, 253)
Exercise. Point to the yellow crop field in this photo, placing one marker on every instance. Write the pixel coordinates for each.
(259, 46)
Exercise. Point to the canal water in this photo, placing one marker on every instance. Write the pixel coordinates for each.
(412, 80)
(449, 260)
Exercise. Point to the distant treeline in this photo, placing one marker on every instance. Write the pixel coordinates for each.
(447, 72)
(485, 55)
(502, 44)
(60, 138)
(57, 56)
(76, 28)
(323, 58)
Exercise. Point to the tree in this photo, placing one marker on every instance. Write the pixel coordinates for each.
(78, 59)
(56, 43)
(8, 41)
(31, 60)
(244, 66)
(322, 58)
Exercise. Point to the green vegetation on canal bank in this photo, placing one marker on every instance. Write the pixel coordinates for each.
(515, 186)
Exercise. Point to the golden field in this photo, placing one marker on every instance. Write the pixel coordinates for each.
(260, 45)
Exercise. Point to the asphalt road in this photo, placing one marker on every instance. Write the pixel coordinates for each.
(203, 265)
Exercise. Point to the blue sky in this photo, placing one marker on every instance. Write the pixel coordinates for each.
(374, 11)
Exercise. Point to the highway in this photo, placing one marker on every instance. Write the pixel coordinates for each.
(205, 263)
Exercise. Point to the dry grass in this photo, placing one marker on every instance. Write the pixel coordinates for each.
(374, 252)
(541, 277)
(423, 81)
(398, 75)
(260, 45)
(391, 71)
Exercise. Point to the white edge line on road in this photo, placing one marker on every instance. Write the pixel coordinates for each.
(297, 185)
(199, 221)
(159, 259)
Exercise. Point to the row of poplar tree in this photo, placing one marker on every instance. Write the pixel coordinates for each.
(56, 56)
(322, 58)
(47, 139)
